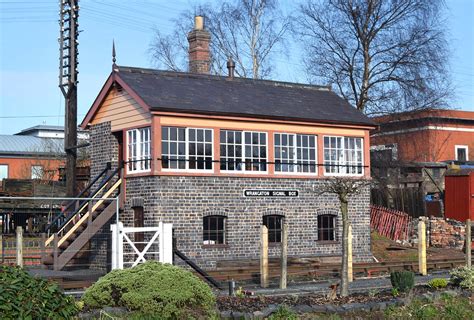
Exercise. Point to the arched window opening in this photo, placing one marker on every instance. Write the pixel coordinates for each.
(326, 227)
(274, 224)
(214, 230)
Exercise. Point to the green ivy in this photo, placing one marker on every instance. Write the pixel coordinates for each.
(152, 288)
(25, 297)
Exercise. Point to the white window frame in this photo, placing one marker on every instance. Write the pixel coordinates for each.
(139, 157)
(8, 168)
(344, 160)
(295, 154)
(460, 146)
(35, 170)
(186, 152)
(244, 156)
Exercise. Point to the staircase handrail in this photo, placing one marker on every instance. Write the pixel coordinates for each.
(94, 194)
(107, 168)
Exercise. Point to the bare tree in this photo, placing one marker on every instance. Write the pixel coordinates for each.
(344, 188)
(381, 55)
(249, 31)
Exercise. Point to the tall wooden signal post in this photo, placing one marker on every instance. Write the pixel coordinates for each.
(68, 35)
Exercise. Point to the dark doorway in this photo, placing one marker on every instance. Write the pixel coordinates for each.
(138, 222)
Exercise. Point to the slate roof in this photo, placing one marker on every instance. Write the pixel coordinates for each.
(206, 94)
(28, 145)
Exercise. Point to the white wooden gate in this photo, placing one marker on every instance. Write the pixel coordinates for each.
(159, 246)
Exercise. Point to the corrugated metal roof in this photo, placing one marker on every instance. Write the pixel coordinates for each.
(16, 144)
(42, 127)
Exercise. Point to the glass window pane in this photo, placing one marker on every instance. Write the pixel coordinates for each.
(200, 135)
(208, 135)
(182, 134)
(173, 134)
(192, 135)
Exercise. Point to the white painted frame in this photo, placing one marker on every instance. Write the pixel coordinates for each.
(186, 151)
(163, 234)
(330, 174)
(244, 156)
(8, 169)
(460, 146)
(139, 149)
(295, 154)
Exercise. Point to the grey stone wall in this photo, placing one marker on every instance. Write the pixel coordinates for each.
(184, 201)
(103, 149)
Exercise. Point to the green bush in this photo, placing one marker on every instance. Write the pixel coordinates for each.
(161, 290)
(283, 313)
(463, 277)
(403, 281)
(438, 283)
(25, 297)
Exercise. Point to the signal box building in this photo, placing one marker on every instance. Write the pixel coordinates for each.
(218, 156)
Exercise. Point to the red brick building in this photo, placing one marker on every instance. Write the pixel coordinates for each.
(426, 136)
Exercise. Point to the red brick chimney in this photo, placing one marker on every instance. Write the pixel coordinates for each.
(199, 53)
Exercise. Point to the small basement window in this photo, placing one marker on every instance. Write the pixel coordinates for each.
(214, 230)
(326, 227)
(274, 225)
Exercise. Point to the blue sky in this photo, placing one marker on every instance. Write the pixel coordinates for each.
(29, 93)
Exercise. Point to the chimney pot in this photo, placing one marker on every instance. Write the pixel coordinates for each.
(231, 67)
(198, 23)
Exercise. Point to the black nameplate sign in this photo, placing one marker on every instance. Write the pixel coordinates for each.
(271, 193)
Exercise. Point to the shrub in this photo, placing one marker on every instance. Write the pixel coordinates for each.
(463, 277)
(438, 283)
(283, 313)
(403, 281)
(152, 288)
(25, 297)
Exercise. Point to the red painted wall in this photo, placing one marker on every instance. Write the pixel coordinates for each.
(428, 145)
(20, 168)
(427, 136)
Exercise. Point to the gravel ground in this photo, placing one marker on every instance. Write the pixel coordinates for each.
(359, 285)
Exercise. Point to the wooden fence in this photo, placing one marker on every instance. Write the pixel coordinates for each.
(390, 223)
(32, 249)
(409, 200)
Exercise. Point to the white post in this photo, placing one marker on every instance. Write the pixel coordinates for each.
(166, 243)
(19, 246)
(350, 272)
(113, 228)
(422, 247)
(161, 242)
(468, 243)
(284, 256)
(120, 245)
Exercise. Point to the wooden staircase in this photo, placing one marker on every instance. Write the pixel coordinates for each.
(70, 240)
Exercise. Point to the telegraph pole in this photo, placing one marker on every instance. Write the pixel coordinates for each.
(69, 14)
